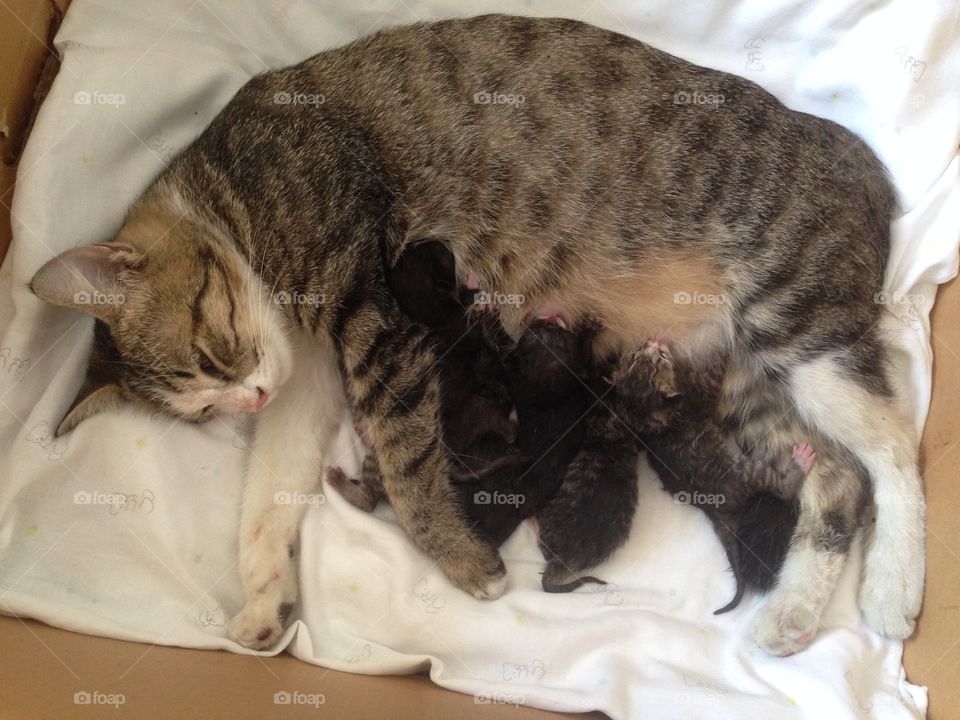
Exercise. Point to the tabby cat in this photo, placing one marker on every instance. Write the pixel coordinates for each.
(573, 170)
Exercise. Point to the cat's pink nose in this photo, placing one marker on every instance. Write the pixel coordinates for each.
(262, 397)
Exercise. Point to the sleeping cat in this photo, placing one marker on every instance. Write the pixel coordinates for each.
(600, 196)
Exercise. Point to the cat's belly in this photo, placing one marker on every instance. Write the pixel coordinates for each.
(676, 298)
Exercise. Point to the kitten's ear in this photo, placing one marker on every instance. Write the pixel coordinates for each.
(92, 278)
(88, 403)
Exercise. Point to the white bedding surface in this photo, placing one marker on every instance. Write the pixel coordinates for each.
(161, 566)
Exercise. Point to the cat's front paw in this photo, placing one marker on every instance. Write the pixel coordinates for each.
(261, 622)
(477, 568)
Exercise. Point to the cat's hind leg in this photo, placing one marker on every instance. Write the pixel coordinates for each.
(860, 415)
(830, 501)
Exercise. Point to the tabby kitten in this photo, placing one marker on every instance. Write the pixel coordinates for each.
(603, 194)
(672, 410)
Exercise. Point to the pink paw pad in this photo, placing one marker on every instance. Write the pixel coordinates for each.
(804, 456)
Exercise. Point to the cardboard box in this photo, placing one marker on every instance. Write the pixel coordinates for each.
(43, 667)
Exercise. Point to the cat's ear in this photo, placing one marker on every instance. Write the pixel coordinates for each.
(89, 402)
(92, 278)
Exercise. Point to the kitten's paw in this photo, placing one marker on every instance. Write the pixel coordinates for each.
(353, 490)
(783, 628)
(804, 456)
(477, 568)
(260, 624)
(890, 597)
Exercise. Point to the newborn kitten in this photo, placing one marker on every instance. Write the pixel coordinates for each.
(548, 374)
(675, 410)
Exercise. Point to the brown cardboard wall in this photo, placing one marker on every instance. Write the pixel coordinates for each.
(26, 33)
(932, 656)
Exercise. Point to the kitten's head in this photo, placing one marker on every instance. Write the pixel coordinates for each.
(182, 324)
(648, 388)
(552, 361)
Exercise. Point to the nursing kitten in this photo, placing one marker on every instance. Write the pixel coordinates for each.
(477, 408)
(546, 375)
(697, 462)
(603, 194)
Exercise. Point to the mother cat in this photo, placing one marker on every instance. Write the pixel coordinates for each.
(581, 169)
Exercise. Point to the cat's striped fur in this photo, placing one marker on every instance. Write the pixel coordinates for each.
(603, 194)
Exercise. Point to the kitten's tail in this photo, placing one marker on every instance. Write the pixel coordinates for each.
(766, 526)
(553, 575)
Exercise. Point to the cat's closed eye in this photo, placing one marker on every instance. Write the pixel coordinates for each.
(210, 368)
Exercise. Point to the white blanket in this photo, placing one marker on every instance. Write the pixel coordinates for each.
(140, 80)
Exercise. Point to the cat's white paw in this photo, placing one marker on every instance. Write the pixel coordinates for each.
(266, 562)
(783, 628)
(890, 597)
(493, 589)
(260, 624)
(475, 567)
(269, 576)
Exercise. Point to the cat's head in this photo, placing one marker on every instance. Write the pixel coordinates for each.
(183, 325)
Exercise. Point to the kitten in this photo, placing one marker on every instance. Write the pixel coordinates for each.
(545, 374)
(674, 411)
(620, 211)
